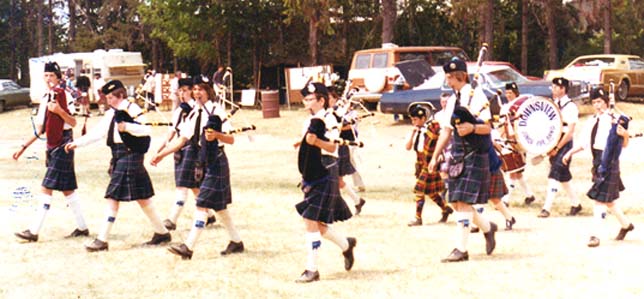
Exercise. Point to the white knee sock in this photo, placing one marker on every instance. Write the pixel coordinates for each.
(74, 204)
(521, 182)
(481, 221)
(197, 228)
(181, 195)
(574, 200)
(45, 203)
(599, 214)
(463, 220)
(336, 238)
(354, 196)
(110, 217)
(227, 221)
(157, 225)
(504, 210)
(619, 214)
(313, 243)
(551, 193)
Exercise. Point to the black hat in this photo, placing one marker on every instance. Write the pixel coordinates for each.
(214, 122)
(314, 87)
(512, 86)
(418, 111)
(560, 81)
(111, 86)
(83, 82)
(200, 79)
(52, 67)
(455, 65)
(185, 82)
(598, 92)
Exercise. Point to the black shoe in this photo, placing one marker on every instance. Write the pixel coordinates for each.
(510, 223)
(528, 200)
(574, 210)
(97, 245)
(169, 225)
(78, 233)
(233, 247)
(593, 242)
(620, 236)
(445, 214)
(27, 235)
(348, 254)
(159, 239)
(544, 214)
(359, 206)
(308, 276)
(474, 229)
(456, 256)
(415, 222)
(181, 250)
(211, 220)
(490, 241)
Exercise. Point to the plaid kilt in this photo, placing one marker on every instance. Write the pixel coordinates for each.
(323, 201)
(472, 187)
(429, 183)
(60, 173)
(184, 167)
(607, 189)
(214, 192)
(344, 161)
(129, 180)
(497, 185)
(558, 170)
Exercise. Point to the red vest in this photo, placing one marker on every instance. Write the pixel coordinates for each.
(53, 122)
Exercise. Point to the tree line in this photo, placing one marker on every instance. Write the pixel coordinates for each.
(250, 35)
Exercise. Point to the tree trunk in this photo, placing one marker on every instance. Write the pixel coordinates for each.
(489, 28)
(12, 35)
(229, 49)
(50, 28)
(608, 30)
(72, 23)
(155, 54)
(524, 36)
(552, 34)
(39, 20)
(313, 40)
(388, 20)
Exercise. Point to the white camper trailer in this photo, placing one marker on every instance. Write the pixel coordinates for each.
(114, 64)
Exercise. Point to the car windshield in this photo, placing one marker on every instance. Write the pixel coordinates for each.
(596, 61)
(501, 77)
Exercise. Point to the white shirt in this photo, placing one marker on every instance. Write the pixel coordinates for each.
(40, 117)
(100, 130)
(478, 105)
(420, 136)
(569, 113)
(177, 113)
(332, 130)
(603, 128)
(187, 127)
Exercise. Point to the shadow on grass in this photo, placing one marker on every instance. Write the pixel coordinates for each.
(359, 274)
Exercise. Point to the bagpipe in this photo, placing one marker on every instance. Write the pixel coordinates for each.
(137, 144)
(309, 160)
(614, 143)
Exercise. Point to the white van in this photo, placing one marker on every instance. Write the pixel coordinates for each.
(114, 64)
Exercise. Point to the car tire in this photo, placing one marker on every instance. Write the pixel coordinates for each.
(622, 91)
(375, 82)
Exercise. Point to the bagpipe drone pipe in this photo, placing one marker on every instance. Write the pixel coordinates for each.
(137, 144)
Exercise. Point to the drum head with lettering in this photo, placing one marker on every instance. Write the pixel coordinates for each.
(538, 125)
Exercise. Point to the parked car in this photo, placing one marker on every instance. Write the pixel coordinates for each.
(12, 95)
(493, 79)
(627, 71)
(373, 71)
(533, 78)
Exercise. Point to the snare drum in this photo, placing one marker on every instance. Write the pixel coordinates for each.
(512, 162)
(537, 126)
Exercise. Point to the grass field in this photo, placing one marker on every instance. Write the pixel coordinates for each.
(541, 258)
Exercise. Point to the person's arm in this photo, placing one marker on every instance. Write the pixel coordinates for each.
(328, 146)
(174, 146)
(621, 131)
(53, 107)
(441, 144)
(24, 147)
(410, 140)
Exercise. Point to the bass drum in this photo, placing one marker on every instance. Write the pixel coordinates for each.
(537, 126)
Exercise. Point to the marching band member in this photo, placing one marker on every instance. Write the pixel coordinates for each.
(55, 120)
(129, 181)
(469, 186)
(605, 191)
(428, 181)
(498, 188)
(345, 167)
(185, 158)
(212, 170)
(559, 171)
(507, 132)
(322, 204)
